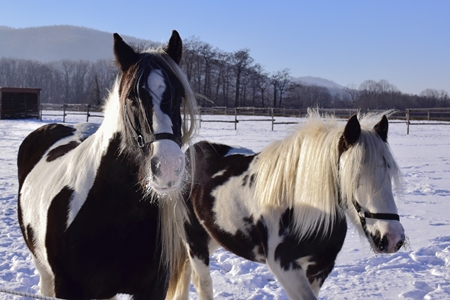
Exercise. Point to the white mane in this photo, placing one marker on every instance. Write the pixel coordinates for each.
(302, 170)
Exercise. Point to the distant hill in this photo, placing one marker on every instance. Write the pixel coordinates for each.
(53, 43)
(332, 86)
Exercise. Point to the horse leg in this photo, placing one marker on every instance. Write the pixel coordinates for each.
(201, 277)
(294, 280)
(46, 281)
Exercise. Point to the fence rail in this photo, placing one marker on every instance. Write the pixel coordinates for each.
(411, 116)
(64, 110)
(428, 114)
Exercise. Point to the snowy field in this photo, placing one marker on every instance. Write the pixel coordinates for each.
(419, 271)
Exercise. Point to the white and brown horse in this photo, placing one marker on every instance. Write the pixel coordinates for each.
(98, 208)
(287, 205)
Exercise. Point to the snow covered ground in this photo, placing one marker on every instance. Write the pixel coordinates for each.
(419, 271)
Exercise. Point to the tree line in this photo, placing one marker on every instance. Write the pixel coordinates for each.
(219, 78)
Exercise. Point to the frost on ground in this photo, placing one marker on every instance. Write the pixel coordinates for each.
(419, 271)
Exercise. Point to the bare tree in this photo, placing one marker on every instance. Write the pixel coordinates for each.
(241, 60)
(279, 80)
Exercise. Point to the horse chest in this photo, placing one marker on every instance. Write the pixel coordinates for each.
(111, 243)
(315, 253)
(101, 231)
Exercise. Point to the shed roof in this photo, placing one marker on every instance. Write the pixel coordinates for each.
(19, 90)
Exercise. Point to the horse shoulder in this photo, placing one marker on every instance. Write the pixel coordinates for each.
(36, 144)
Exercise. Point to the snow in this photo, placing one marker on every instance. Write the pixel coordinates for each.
(419, 271)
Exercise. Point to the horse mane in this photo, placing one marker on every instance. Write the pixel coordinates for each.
(302, 171)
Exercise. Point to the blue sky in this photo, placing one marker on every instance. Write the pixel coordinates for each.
(406, 42)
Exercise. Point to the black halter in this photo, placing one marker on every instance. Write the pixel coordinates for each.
(144, 139)
(365, 214)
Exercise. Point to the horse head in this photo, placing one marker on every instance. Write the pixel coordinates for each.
(152, 90)
(367, 171)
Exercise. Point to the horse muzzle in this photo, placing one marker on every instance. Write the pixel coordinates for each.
(167, 166)
(386, 239)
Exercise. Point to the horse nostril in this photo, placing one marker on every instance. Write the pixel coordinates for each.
(399, 245)
(381, 243)
(156, 166)
(376, 238)
(384, 244)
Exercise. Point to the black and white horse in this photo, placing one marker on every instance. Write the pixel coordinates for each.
(287, 205)
(98, 208)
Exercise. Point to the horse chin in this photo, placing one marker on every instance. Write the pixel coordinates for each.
(164, 190)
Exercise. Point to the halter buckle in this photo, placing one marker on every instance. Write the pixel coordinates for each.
(361, 214)
(140, 141)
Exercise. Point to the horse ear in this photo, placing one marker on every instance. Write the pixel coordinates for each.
(125, 55)
(175, 47)
(352, 131)
(382, 128)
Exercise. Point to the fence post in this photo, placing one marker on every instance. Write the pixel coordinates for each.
(64, 113)
(428, 111)
(273, 121)
(87, 113)
(407, 120)
(40, 113)
(235, 118)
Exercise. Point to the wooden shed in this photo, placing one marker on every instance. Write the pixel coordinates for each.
(19, 103)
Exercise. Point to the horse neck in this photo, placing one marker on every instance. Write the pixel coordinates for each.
(113, 120)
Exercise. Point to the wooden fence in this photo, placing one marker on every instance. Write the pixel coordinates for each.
(239, 114)
(442, 115)
(411, 116)
(64, 110)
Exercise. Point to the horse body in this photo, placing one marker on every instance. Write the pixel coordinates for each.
(287, 205)
(98, 207)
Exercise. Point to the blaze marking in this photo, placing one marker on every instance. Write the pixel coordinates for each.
(161, 122)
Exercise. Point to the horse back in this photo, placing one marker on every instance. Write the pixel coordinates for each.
(36, 144)
(214, 157)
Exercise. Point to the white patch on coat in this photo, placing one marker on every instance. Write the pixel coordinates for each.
(233, 203)
(201, 278)
(239, 150)
(218, 174)
(293, 280)
(36, 191)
